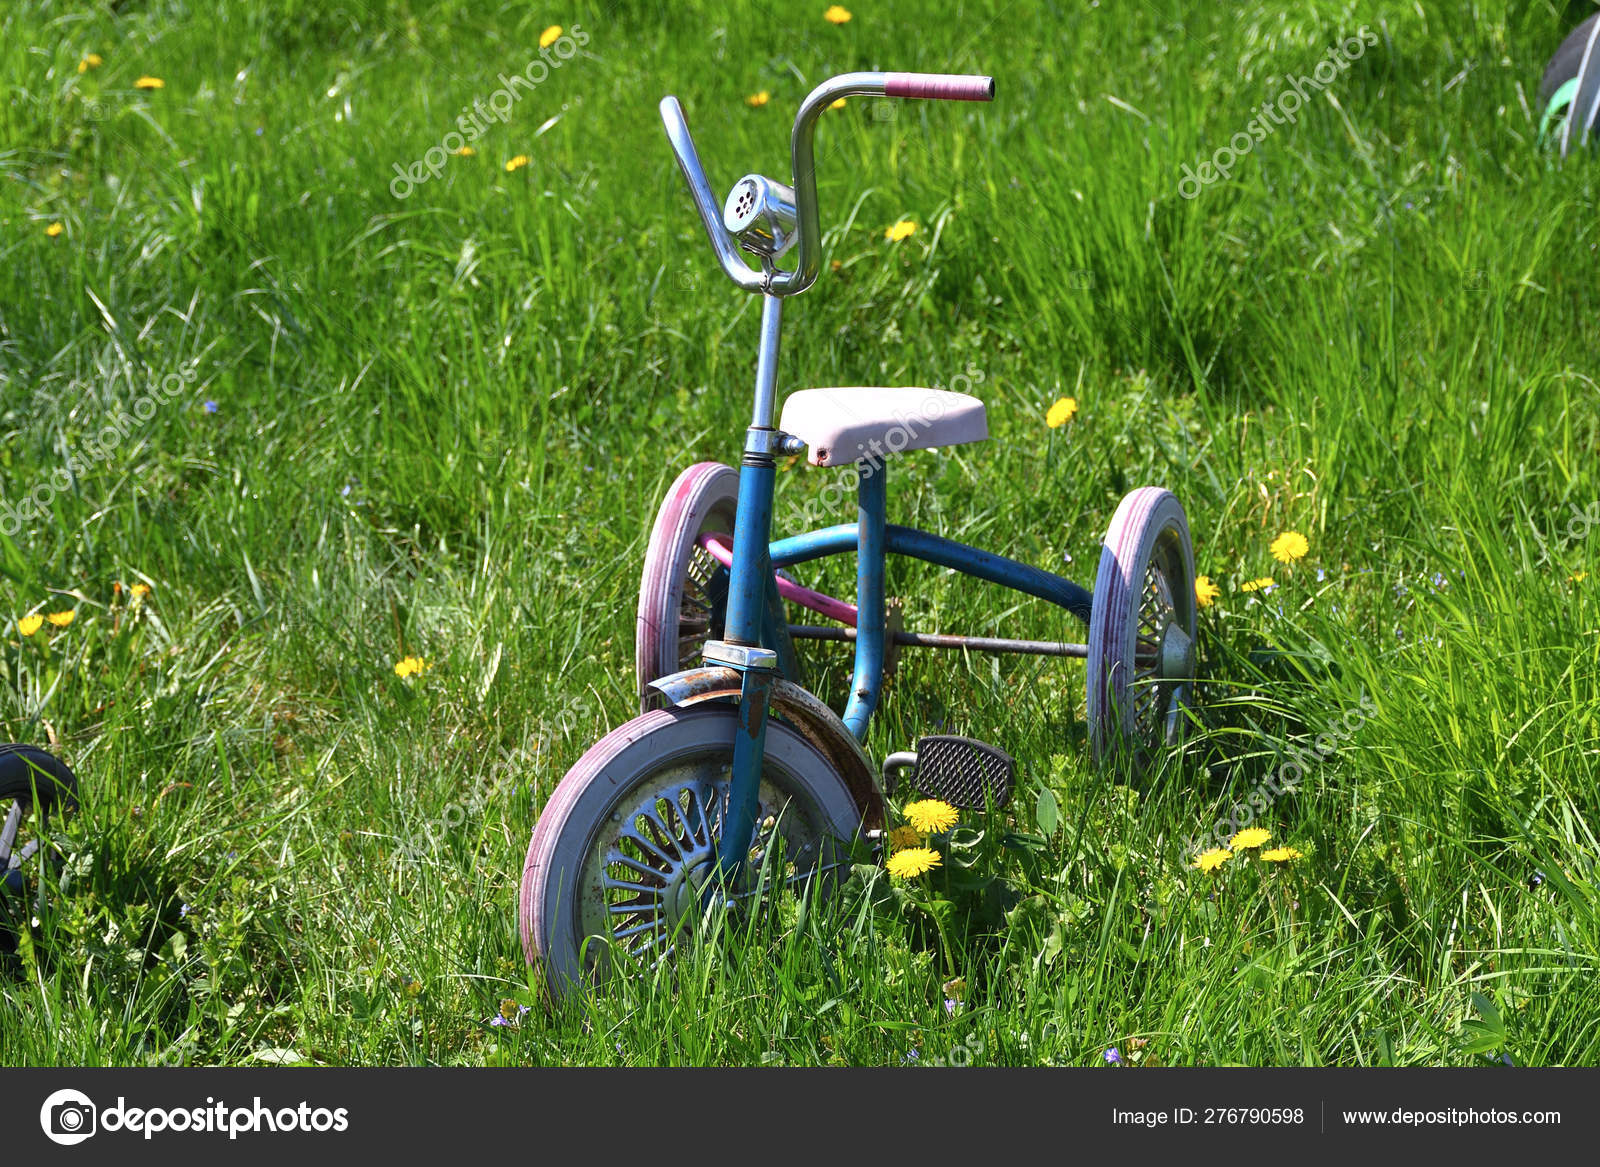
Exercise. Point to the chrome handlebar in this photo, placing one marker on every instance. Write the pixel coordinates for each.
(774, 280)
(710, 209)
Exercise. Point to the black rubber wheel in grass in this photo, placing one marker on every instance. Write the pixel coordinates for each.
(29, 778)
(1581, 47)
(27, 770)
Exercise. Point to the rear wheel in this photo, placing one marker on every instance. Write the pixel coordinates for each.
(680, 593)
(677, 611)
(1142, 630)
(628, 843)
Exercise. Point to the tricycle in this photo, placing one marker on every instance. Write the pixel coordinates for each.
(735, 779)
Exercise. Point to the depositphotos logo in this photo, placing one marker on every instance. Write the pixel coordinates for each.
(70, 1116)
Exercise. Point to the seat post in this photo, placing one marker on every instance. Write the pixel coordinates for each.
(872, 500)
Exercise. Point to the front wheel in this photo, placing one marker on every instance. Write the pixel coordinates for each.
(629, 840)
(1142, 630)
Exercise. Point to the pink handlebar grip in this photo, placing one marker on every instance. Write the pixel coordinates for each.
(945, 86)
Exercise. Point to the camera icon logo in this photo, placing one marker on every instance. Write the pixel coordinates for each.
(68, 1117)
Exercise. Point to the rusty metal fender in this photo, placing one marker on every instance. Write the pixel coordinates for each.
(802, 712)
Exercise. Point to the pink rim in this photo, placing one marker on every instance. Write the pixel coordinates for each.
(547, 831)
(704, 495)
(1146, 545)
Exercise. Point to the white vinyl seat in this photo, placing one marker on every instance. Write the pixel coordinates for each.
(845, 425)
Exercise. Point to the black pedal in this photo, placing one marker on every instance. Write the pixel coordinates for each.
(963, 772)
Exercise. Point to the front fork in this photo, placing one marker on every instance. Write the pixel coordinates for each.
(748, 610)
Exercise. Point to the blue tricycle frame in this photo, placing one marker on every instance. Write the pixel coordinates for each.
(663, 815)
(756, 640)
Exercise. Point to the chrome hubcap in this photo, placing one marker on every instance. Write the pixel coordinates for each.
(1177, 653)
(682, 895)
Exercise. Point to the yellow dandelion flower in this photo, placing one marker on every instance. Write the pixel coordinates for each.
(90, 61)
(902, 837)
(1063, 411)
(517, 163)
(931, 815)
(1257, 585)
(758, 99)
(1281, 855)
(465, 152)
(1212, 859)
(1289, 546)
(912, 862)
(62, 619)
(836, 15)
(28, 625)
(549, 36)
(1578, 576)
(54, 229)
(1205, 592)
(140, 589)
(901, 230)
(838, 104)
(1249, 837)
(410, 666)
(149, 83)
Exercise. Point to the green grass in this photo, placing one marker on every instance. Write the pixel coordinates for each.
(1378, 332)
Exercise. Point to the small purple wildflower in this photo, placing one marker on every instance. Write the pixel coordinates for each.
(345, 492)
(951, 1005)
(1113, 1057)
(498, 1021)
(210, 407)
(183, 910)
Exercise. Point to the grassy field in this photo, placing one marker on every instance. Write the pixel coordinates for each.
(358, 427)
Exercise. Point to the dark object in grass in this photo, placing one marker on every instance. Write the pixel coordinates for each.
(1569, 92)
(29, 778)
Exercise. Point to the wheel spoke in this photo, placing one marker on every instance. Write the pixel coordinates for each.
(616, 856)
(654, 925)
(635, 907)
(615, 884)
(634, 837)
